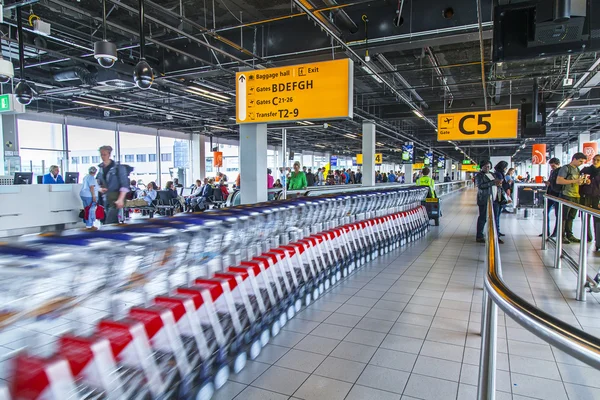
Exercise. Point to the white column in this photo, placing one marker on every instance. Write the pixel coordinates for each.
(368, 151)
(408, 173)
(253, 163)
(447, 168)
(583, 137)
(558, 153)
(198, 157)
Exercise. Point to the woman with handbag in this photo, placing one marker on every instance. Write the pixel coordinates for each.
(502, 197)
(89, 196)
(487, 185)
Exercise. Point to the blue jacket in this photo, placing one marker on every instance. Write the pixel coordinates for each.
(49, 180)
(116, 179)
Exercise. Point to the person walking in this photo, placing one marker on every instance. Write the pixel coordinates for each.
(487, 185)
(89, 196)
(570, 178)
(310, 178)
(114, 185)
(590, 197)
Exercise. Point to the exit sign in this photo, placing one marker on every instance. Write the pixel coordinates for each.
(466, 162)
(5, 103)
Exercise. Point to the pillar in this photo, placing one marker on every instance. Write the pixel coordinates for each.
(583, 137)
(253, 163)
(558, 153)
(368, 152)
(10, 161)
(447, 169)
(198, 158)
(408, 173)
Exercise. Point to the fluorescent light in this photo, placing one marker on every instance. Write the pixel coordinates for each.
(303, 123)
(208, 96)
(85, 103)
(371, 73)
(320, 145)
(217, 127)
(564, 103)
(350, 135)
(308, 123)
(380, 144)
(203, 91)
(418, 114)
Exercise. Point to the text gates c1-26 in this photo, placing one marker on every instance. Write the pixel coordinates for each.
(481, 125)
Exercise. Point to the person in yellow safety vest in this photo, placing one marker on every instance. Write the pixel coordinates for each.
(425, 180)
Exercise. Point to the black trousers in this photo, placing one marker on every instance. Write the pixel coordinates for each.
(569, 215)
(592, 202)
(482, 219)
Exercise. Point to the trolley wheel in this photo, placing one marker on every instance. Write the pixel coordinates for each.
(221, 376)
(206, 391)
(240, 362)
(437, 221)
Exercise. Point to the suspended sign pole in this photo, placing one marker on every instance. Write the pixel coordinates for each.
(284, 144)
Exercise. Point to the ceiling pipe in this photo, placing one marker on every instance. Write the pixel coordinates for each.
(384, 61)
(441, 77)
(483, 84)
(23, 92)
(356, 57)
(343, 17)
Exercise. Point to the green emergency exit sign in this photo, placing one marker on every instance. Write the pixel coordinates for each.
(4, 102)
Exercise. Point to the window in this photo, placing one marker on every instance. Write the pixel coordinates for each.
(175, 160)
(74, 160)
(143, 146)
(96, 159)
(85, 141)
(40, 146)
(128, 157)
(166, 157)
(85, 159)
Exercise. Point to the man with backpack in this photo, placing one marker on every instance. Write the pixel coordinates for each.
(114, 184)
(570, 179)
(553, 189)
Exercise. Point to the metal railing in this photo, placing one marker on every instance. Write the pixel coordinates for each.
(565, 337)
(573, 341)
(580, 265)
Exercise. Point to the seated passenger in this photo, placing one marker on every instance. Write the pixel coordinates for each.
(174, 195)
(207, 191)
(148, 197)
(53, 177)
(278, 184)
(195, 193)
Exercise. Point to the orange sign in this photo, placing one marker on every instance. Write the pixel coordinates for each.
(316, 91)
(538, 154)
(217, 159)
(590, 149)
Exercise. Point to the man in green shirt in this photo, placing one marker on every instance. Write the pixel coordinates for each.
(425, 180)
(297, 179)
(570, 179)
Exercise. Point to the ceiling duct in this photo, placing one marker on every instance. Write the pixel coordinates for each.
(75, 73)
(342, 17)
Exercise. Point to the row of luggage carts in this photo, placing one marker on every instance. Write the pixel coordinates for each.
(187, 300)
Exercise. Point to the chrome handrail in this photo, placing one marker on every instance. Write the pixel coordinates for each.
(581, 265)
(571, 340)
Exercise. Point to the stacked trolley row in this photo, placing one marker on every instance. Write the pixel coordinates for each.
(188, 299)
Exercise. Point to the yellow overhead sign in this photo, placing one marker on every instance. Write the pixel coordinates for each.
(378, 158)
(483, 125)
(418, 165)
(316, 91)
(359, 159)
(469, 167)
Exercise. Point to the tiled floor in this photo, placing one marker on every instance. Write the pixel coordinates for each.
(407, 326)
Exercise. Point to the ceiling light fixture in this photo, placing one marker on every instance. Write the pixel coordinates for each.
(564, 104)
(23, 92)
(320, 146)
(350, 135)
(208, 96)
(368, 71)
(418, 114)
(142, 74)
(217, 127)
(204, 91)
(85, 103)
(105, 52)
(308, 123)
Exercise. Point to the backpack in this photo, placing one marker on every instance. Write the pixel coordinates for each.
(555, 188)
